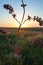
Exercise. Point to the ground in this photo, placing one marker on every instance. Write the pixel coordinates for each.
(29, 41)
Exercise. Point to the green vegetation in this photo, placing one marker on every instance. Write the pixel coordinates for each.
(32, 53)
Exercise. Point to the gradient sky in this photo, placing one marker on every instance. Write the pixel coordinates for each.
(33, 8)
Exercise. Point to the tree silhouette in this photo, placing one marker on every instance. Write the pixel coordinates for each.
(11, 11)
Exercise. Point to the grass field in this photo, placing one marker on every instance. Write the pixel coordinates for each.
(30, 40)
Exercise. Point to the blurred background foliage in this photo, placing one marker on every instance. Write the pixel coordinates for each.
(32, 53)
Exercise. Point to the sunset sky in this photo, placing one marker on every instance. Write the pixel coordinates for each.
(33, 8)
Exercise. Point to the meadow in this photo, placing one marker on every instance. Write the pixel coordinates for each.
(29, 40)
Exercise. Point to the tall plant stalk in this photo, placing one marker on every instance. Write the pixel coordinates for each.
(11, 11)
(20, 26)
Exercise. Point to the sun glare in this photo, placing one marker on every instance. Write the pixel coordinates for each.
(30, 24)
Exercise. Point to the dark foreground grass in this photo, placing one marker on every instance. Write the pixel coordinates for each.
(32, 53)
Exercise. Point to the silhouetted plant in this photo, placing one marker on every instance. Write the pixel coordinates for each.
(10, 9)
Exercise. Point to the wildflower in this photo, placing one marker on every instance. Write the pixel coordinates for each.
(37, 19)
(34, 18)
(14, 15)
(29, 18)
(23, 5)
(8, 7)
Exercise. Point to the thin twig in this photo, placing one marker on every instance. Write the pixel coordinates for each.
(17, 20)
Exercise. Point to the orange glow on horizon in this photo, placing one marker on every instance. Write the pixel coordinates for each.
(30, 24)
(25, 25)
(12, 23)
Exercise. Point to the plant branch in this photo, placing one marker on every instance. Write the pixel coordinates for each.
(17, 20)
(23, 15)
